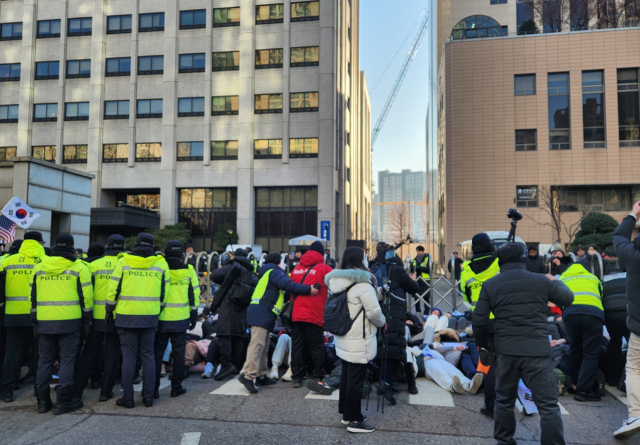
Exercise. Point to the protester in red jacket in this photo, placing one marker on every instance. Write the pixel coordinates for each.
(308, 325)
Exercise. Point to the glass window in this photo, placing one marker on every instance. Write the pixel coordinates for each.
(190, 106)
(628, 107)
(475, 27)
(303, 148)
(45, 113)
(118, 67)
(524, 85)
(9, 72)
(118, 24)
(152, 22)
(594, 198)
(524, 14)
(47, 70)
(191, 63)
(44, 152)
(224, 105)
(498, 2)
(593, 109)
(190, 151)
(226, 17)
(74, 154)
(267, 148)
(149, 108)
(11, 31)
(526, 140)
(193, 19)
(76, 111)
(116, 109)
(268, 103)
(305, 56)
(115, 153)
(204, 210)
(148, 152)
(224, 150)
(304, 102)
(269, 14)
(304, 11)
(527, 196)
(48, 28)
(7, 153)
(8, 114)
(559, 112)
(79, 27)
(151, 65)
(78, 68)
(268, 58)
(226, 61)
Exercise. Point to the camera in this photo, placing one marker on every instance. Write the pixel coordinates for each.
(514, 215)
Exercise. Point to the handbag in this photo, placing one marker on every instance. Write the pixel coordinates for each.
(286, 315)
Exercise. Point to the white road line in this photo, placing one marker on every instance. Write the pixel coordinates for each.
(615, 392)
(335, 395)
(430, 394)
(232, 388)
(563, 410)
(164, 382)
(519, 406)
(190, 439)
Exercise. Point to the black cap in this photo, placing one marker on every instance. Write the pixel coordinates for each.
(318, 247)
(532, 247)
(65, 240)
(36, 236)
(481, 243)
(145, 239)
(15, 246)
(173, 248)
(95, 249)
(240, 252)
(115, 241)
(273, 258)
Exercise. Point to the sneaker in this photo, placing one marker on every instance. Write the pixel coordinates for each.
(225, 371)
(476, 382)
(486, 412)
(7, 395)
(413, 390)
(360, 427)
(587, 396)
(346, 422)
(319, 387)
(386, 391)
(297, 383)
(104, 397)
(629, 427)
(128, 404)
(288, 376)
(248, 384)
(457, 385)
(147, 402)
(208, 371)
(274, 374)
(175, 392)
(265, 381)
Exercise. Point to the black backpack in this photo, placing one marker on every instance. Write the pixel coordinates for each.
(336, 313)
(243, 287)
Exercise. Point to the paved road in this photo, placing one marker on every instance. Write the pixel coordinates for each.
(283, 415)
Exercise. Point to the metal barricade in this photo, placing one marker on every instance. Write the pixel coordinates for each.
(423, 297)
(600, 272)
(446, 291)
(213, 261)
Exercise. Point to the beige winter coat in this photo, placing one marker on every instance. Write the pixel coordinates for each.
(353, 347)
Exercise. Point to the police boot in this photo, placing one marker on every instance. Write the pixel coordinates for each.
(65, 403)
(44, 400)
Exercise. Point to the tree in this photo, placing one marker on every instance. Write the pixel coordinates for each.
(177, 231)
(597, 228)
(399, 221)
(528, 27)
(221, 239)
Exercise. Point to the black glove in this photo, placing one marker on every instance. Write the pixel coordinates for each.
(487, 358)
(110, 320)
(192, 319)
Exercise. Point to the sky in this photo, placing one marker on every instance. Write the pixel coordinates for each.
(386, 32)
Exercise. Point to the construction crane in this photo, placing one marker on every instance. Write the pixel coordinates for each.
(396, 86)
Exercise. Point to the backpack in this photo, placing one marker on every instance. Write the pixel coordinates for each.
(336, 313)
(243, 287)
(380, 272)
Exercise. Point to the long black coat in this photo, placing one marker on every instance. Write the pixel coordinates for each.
(535, 265)
(232, 320)
(629, 253)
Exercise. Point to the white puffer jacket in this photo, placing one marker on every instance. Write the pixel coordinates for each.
(353, 347)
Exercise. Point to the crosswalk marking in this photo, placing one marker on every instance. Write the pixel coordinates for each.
(615, 392)
(430, 394)
(232, 388)
(563, 410)
(335, 395)
(190, 439)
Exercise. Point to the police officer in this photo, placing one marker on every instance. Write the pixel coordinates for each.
(61, 306)
(177, 315)
(15, 291)
(584, 320)
(420, 265)
(614, 303)
(252, 258)
(101, 269)
(137, 289)
(482, 266)
(3, 330)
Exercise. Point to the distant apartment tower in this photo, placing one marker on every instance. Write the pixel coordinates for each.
(252, 113)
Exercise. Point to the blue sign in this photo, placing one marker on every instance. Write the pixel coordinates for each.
(325, 230)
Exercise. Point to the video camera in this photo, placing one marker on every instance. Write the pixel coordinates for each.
(514, 216)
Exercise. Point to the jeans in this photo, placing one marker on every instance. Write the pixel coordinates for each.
(231, 348)
(307, 336)
(49, 346)
(585, 332)
(351, 386)
(282, 353)
(85, 365)
(257, 354)
(469, 360)
(616, 323)
(537, 375)
(178, 344)
(134, 341)
(113, 357)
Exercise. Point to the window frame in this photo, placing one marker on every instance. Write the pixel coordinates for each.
(74, 160)
(11, 79)
(225, 68)
(524, 92)
(119, 30)
(147, 115)
(191, 113)
(526, 146)
(309, 18)
(303, 109)
(149, 159)
(117, 73)
(50, 35)
(9, 120)
(150, 28)
(151, 71)
(192, 70)
(304, 155)
(593, 89)
(48, 76)
(268, 110)
(116, 116)
(267, 156)
(225, 156)
(558, 91)
(80, 33)
(77, 117)
(116, 159)
(499, 2)
(269, 21)
(528, 203)
(45, 119)
(626, 88)
(293, 64)
(51, 149)
(269, 65)
(228, 23)
(225, 112)
(189, 158)
(198, 26)
(79, 75)
(5, 155)
(13, 36)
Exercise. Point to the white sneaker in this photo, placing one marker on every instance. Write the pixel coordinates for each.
(629, 427)
(274, 374)
(288, 376)
(208, 371)
(476, 382)
(457, 385)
